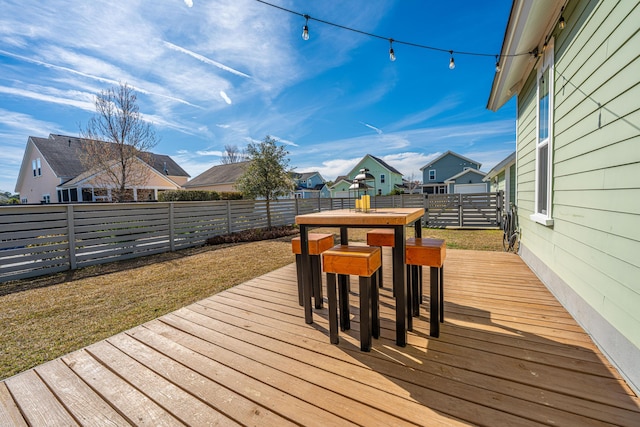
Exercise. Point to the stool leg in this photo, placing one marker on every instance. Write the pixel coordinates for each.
(415, 290)
(333, 308)
(299, 275)
(316, 281)
(434, 302)
(365, 313)
(343, 296)
(380, 270)
(409, 300)
(375, 307)
(442, 294)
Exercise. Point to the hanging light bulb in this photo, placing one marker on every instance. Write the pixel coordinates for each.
(392, 55)
(305, 29)
(452, 63)
(497, 64)
(561, 23)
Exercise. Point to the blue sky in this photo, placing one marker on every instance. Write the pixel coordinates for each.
(219, 72)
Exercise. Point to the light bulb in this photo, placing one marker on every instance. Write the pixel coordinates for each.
(392, 54)
(452, 64)
(497, 64)
(305, 33)
(561, 23)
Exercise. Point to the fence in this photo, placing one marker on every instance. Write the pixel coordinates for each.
(45, 239)
(481, 210)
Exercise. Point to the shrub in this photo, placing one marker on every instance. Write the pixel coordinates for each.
(196, 195)
(254, 235)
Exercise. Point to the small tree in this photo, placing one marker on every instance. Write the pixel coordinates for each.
(118, 140)
(267, 174)
(233, 155)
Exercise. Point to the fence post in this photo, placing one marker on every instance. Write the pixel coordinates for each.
(460, 210)
(172, 232)
(71, 236)
(228, 216)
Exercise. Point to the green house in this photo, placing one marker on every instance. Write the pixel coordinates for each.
(387, 178)
(575, 69)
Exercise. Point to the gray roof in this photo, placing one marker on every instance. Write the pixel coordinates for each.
(63, 153)
(386, 165)
(220, 174)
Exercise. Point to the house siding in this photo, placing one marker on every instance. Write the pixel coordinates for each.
(594, 243)
(447, 167)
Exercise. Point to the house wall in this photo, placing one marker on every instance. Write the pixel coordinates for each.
(34, 188)
(447, 167)
(589, 257)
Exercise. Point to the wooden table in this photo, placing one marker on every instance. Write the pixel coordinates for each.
(396, 218)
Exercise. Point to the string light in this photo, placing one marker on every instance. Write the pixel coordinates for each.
(497, 64)
(392, 55)
(305, 29)
(305, 36)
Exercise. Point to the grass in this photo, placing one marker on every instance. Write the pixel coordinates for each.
(44, 318)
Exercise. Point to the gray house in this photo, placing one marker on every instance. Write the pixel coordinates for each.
(453, 173)
(503, 178)
(309, 185)
(575, 69)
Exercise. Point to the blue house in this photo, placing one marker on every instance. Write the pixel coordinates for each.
(453, 173)
(309, 185)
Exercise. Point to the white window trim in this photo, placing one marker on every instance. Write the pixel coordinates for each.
(548, 62)
(434, 174)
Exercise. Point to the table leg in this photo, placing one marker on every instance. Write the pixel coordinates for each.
(400, 286)
(307, 290)
(344, 240)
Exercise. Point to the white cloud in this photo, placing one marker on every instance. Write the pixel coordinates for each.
(189, 3)
(225, 97)
(377, 130)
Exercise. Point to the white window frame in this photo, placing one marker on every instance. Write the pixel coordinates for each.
(544, 169)
(382, 178)
(432, 174)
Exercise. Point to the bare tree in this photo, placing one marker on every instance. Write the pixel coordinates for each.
(233, 155)
(118, 145)
(413, 184)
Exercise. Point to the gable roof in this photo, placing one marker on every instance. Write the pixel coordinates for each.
(385, 164)
(511, 158)
(219, 174)
(64, 155)
(464, 172)
(303, 176)
(447, 153)
(529, 22)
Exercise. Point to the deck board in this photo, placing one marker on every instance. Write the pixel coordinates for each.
(508, 354)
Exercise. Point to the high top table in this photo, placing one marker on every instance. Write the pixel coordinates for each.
(396, 218)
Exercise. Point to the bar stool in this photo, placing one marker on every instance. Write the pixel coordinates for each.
(381, 237)
(429, 253)
(318, 243)
(362, 261)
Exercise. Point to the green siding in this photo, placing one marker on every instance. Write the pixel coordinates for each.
(595, 240)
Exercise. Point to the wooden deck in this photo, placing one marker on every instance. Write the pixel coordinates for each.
(508, 355)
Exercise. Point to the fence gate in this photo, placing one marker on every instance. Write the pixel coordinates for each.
(479, 210)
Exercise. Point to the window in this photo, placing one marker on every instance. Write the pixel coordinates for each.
(46, 198)
(432, 175)
(544, 139)
(37, 167)
(381, 178)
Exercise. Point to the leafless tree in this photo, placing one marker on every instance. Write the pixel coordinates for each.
(233, 155)
(413, 184)
(119, 140)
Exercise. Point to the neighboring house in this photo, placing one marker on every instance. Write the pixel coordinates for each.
(52, 172)
(309, 185)
(220, 178)
(453, 173)
(387, 178)
(503, 178)
(578, 160)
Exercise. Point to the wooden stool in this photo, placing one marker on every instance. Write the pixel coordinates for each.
(318, 243)
(381, 237)
(359, 261)
(429, 253)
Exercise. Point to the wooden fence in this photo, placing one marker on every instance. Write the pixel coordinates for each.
(481, 210)
(43, 239)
